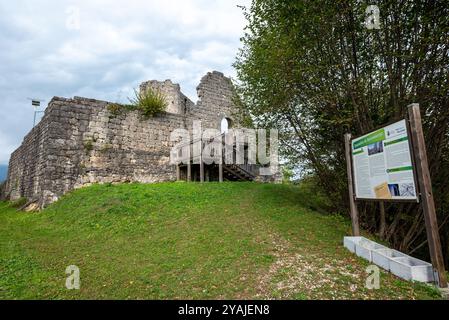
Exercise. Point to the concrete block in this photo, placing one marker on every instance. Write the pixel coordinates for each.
(349, 243)
(382, 257)
(364, 248)
(409, 268)
(445, 293)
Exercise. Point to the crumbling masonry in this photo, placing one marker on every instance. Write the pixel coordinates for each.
(81, 141)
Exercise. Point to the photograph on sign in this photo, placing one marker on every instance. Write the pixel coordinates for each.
(382, 163)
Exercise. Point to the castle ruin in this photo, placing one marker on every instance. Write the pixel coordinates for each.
(81, 141)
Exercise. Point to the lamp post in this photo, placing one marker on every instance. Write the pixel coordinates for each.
(35, 103)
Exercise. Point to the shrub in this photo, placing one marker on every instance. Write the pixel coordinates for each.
(115, 109)
(18, 203)
(88, 145)
(150, 102)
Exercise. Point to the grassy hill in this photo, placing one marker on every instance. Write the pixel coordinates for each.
(179, 240)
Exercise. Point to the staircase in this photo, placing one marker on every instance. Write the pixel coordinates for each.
(233, 172)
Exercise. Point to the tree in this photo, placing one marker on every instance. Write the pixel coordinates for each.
(313, 70)
(287, 174)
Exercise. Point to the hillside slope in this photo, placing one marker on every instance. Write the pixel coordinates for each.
(178, 240)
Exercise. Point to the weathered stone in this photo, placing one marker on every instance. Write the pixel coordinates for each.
(79, 142)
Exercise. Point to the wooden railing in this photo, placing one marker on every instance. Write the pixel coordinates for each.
(250, 170)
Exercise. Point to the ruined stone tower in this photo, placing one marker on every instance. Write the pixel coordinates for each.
(80, 141)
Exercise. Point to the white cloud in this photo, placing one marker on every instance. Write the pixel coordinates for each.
(117, 46)
(6, 146)
(214, 52)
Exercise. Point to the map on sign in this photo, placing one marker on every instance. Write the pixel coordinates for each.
(382, 163)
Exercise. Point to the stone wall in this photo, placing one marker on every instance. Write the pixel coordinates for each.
(216, 94)
(82, 141)
(27, 165)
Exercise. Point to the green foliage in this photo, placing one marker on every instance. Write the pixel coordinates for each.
(18, 203)
(185, 241)
(241, 115)
(117, 109)
(150, 102)
(287, 174)
(315, 72)
(88, 145)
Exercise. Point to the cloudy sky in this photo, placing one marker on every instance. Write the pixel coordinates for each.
(102, 49)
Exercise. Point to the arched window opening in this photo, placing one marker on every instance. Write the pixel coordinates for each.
(225, 125)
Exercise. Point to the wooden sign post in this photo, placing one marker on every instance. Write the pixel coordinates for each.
(425, 197)
(352, 204)
(425, 186)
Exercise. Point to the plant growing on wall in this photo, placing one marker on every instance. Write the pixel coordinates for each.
(116, 109)
(88, 145)
(150, 102)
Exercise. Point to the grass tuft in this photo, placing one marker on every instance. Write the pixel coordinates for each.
(150, 102)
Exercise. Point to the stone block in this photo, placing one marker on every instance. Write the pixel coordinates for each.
(398, 263)
(409, 268)
(349, 243)
(365, 247)
(382, 257)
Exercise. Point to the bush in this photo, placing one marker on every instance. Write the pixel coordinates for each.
(18, 203)
(88, 145)
(115, 109)
(150, 102)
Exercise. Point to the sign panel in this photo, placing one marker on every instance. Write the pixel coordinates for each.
(382, 162)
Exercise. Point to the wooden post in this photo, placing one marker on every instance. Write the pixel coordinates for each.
(178, 173)
(382, 220)
(352, 204)
(189, 171)
(201, 171)
(426, 195)
(201, 163)
(220, 165)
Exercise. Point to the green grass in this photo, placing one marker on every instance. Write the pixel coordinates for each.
(187, 241)
(149, 101)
